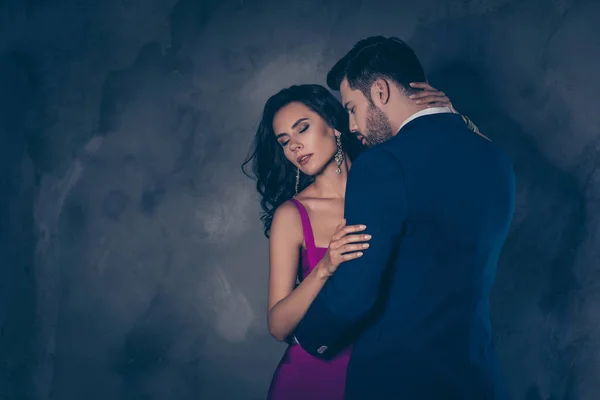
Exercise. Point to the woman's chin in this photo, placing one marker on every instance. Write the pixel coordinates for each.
(309, 170)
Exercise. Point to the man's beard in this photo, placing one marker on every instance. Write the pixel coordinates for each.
(378, 127)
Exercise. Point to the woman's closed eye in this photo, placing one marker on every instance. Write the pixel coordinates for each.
(303, 129)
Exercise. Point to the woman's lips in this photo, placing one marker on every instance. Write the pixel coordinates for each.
(302, 160)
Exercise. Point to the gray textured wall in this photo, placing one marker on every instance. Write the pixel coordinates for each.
(132, 264)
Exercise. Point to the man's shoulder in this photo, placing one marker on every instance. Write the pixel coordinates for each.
(376, 161)
(381, 154)
(376, 170)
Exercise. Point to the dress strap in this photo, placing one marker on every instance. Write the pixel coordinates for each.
(309, 238)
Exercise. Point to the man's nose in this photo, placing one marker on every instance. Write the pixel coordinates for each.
(353, 126)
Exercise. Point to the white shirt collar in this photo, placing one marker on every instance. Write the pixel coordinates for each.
(427, 111)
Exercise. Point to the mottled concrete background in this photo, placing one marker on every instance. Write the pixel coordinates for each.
(132, 261)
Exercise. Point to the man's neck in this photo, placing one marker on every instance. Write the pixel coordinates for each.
(423, 112)
(407, 112)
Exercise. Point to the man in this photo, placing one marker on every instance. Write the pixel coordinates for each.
(438, 202)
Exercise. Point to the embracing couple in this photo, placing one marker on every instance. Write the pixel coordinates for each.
(386, 215)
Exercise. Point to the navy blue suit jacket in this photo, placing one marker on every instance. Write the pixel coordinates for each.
(438, 201)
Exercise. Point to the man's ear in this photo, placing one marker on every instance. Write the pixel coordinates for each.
(380, 92)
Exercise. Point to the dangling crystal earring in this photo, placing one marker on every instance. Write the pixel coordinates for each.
(339, 155)
(297, 181)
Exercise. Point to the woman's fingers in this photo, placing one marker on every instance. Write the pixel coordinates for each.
(356, 238)
(352, 256)
(432, 98)
(426, 93)
(346, 230)
(422, 85)
(349, 239)
(348, 248)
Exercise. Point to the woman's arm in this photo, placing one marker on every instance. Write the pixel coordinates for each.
(287, 305)
(432, 97)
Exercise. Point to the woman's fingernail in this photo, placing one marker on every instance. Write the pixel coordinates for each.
(358, 254)
(363, 227)
(366, 245)
(367, 237)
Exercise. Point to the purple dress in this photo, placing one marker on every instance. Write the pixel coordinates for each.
(299, 375)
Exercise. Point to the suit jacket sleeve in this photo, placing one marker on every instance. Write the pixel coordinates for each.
(375, 197)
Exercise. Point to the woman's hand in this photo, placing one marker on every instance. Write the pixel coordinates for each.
(430, 96)
(343, 247)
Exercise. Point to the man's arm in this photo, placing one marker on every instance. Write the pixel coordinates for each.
(375, 197)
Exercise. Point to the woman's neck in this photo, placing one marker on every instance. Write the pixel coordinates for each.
(330, 184)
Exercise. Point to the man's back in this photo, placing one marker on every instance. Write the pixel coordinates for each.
(432, 337)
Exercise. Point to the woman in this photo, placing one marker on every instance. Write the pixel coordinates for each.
(303, 151)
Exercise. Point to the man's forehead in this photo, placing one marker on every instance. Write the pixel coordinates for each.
(344, 85)
(345, 90)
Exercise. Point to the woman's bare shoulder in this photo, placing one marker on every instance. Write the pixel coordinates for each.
(287, 222)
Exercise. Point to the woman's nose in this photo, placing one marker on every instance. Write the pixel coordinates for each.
(295, 145)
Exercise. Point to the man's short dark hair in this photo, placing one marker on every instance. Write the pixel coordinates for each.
(377, 57)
